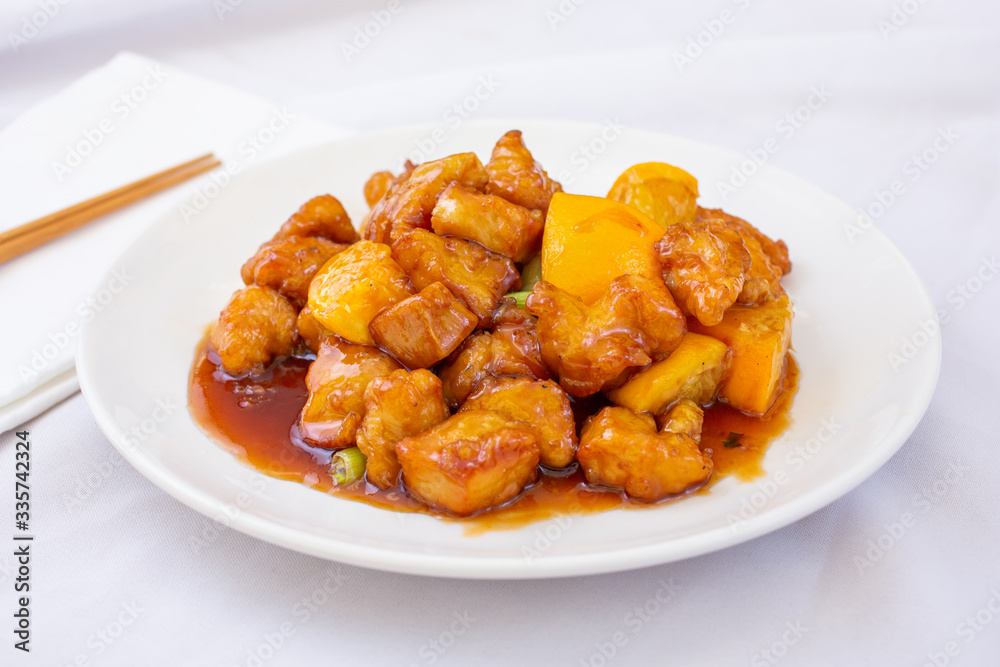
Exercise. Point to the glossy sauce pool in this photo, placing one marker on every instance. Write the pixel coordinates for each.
(253, 420)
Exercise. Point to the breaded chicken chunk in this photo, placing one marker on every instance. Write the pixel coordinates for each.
(377, 186)
(776, 251)
(768, 259)
(704, 266)
(408, 204)
(517, 177)
(310, 330)
(336, 382)
(590, 347)
(541, 404)
(494, 222)
(397, 406)
(510, 350)
(472, 461)
(425, 328)
(474, 274)
(321, 216)
(288, 265)
(763, 277)
(622, 449)
(381, 182)
(255, 327)
(508, 312)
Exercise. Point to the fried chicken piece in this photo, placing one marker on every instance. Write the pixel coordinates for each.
(776, 251)
(310, 330)
(256, 327)
(474, 274)
(591, 347)
(470, 462)
(541, 404)
(508, 312)
(377, 185)
(704, 266)
(762, 279)
(511, 350)
(354, 287)
(517, 177)
(768, 259)
(336, 382)
(397, 406)
(408, 204)
(424, 328)
(685, 417)
(321, 216)
(494, 222)
(622, 449)
(288, 264)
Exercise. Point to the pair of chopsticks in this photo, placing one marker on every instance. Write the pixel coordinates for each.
(17, 241)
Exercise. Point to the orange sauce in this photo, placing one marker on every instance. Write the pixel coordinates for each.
(254, 419)
(756, 433)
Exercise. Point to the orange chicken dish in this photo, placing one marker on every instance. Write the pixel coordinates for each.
(488, 341)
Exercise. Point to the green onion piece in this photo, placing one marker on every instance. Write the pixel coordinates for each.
(519, 297)
(733, 441)
(531, 273)
(348, 465)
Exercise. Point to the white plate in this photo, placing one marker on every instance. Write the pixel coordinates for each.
(857, 304)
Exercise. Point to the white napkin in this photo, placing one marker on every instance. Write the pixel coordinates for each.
(128, 119)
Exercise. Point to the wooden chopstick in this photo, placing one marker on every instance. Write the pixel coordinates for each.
(29, 236)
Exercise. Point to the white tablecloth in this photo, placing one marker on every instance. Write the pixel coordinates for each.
(905, 570)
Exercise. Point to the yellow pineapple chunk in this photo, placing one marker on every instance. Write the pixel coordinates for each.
(759, 337)
(692, 371)
(355, 286)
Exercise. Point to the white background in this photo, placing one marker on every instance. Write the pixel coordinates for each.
(126, 551)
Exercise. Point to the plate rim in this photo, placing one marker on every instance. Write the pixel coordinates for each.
(493, 567)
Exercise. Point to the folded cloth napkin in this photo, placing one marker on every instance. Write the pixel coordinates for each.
(128, 119)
